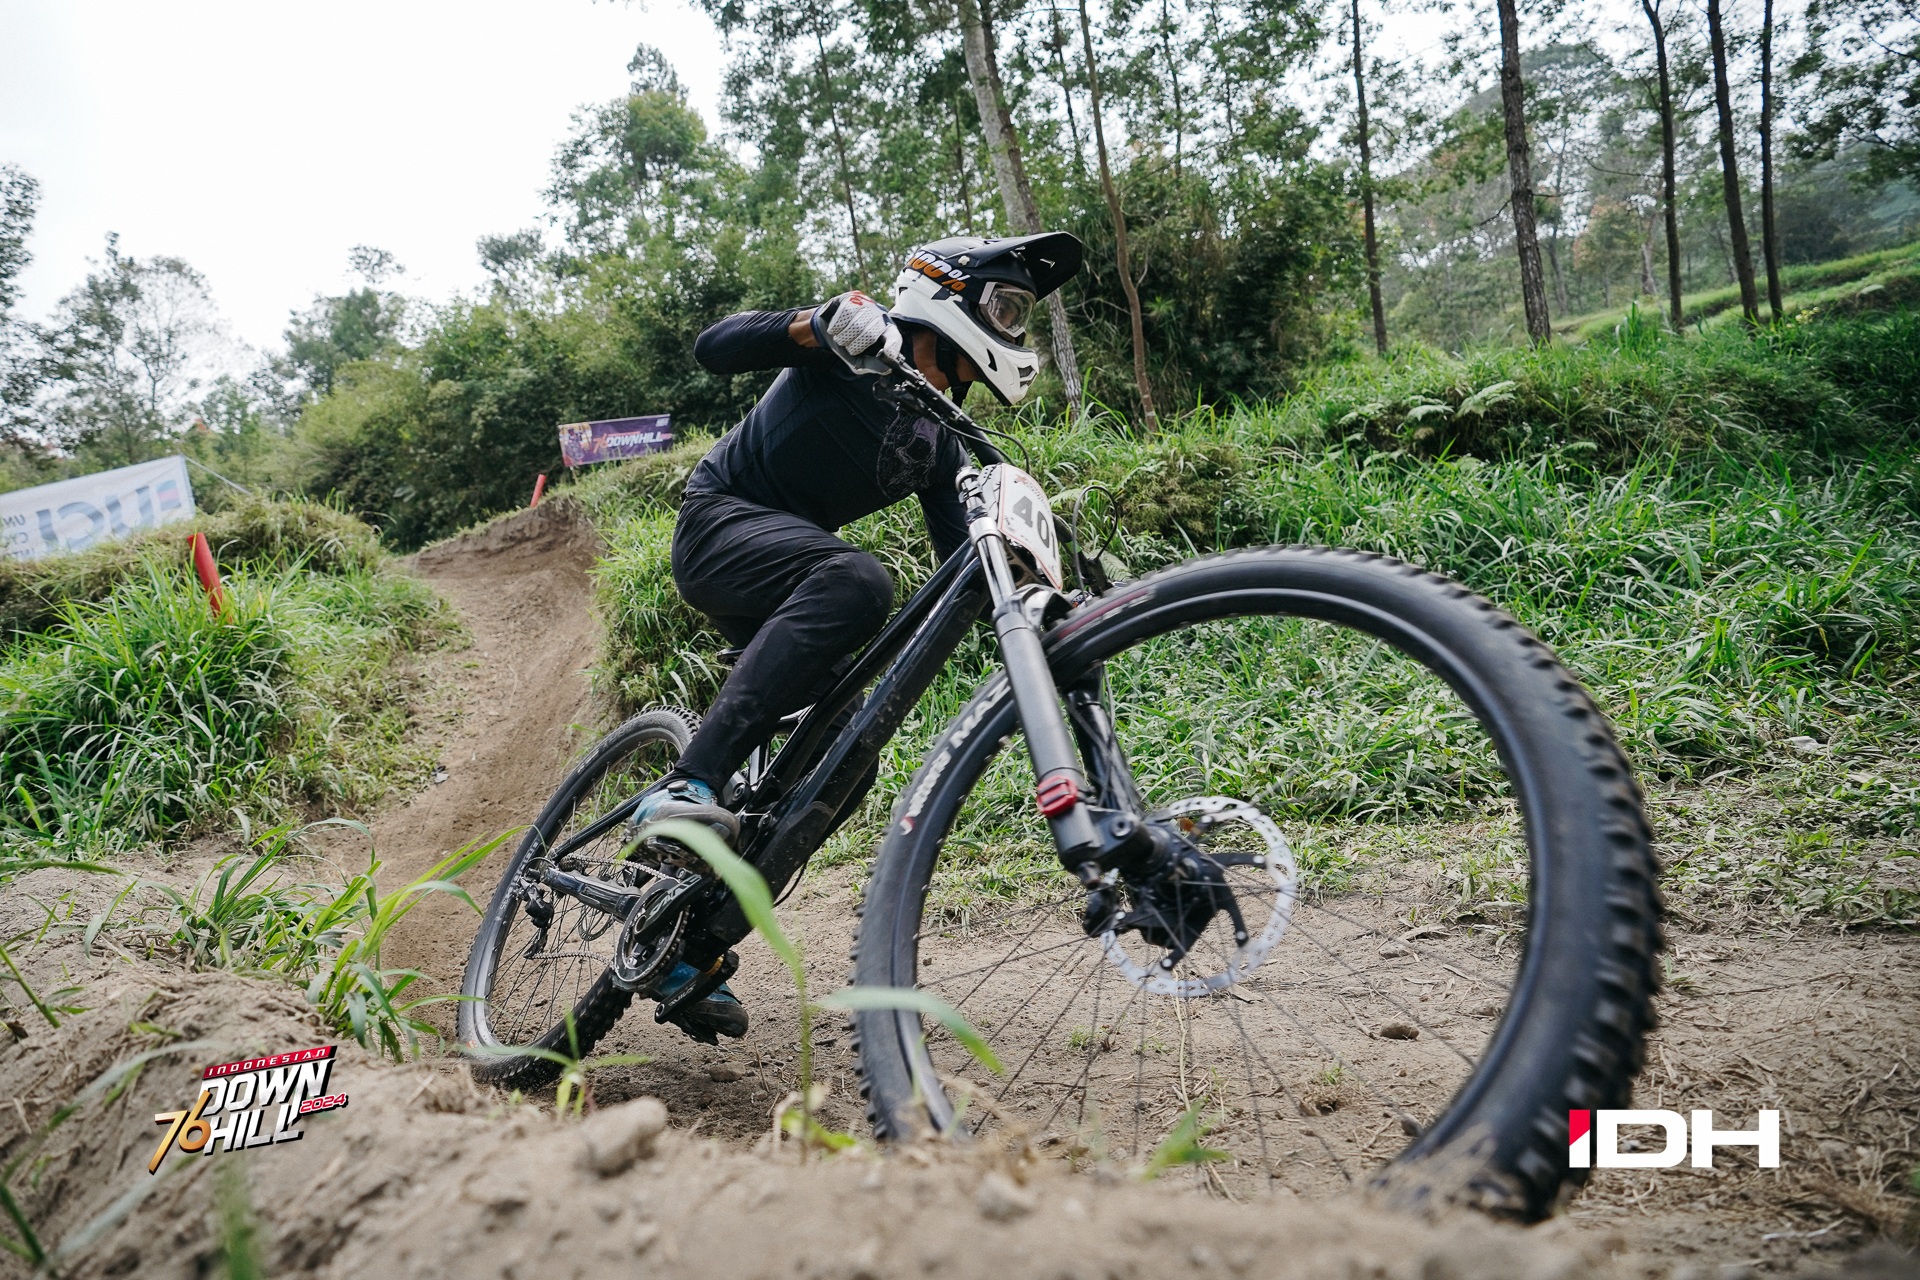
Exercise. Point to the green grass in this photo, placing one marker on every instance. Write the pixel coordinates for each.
(1719, 534)
(251, 533)
(145, 715)
(1804, 286)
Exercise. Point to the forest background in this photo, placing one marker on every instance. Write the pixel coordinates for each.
(1235, 161)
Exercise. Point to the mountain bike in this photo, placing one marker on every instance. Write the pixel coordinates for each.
(1113, 906)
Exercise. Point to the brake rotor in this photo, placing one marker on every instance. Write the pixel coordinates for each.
(1196, 818)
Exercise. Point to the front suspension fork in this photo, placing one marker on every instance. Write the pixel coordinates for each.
(1089, 840)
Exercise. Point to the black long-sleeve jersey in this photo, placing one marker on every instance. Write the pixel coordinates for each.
(820, 443)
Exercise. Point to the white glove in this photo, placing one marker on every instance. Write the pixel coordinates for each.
(858, 324)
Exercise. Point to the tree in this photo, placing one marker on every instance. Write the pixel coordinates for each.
(1366, 188)
(357, 325)
(127, 350)
(627, 168)
(1533, 284)
(1859, 85)
(1669, 198)
(1150, 422)
(1730, 169)
(1010, 171)
(20, 370)
(1769, 231)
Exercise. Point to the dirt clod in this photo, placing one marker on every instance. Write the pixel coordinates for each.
(1002, 1199)
(1399, 1031)
(616, 1137)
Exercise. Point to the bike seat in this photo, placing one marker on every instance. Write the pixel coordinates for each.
(727, 657)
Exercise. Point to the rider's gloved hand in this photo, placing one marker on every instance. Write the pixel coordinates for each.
(859, 324)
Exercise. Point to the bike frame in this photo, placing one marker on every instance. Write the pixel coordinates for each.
(813, 781)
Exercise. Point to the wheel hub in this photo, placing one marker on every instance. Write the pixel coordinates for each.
(1173, 907)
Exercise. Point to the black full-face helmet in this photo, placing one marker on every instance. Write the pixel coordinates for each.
(979, 293)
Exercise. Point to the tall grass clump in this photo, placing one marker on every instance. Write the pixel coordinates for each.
(250, 533)
(145, 710)
(147, 715)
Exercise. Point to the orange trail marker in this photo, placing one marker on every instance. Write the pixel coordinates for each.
(209, 572)
(539, 487)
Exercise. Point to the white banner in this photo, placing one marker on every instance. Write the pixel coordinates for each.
(74, 514)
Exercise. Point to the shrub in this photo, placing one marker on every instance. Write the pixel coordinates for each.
(146, 714)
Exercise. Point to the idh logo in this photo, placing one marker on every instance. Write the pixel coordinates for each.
(1593, 1139)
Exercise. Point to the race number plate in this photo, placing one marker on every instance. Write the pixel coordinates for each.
(1018, 507)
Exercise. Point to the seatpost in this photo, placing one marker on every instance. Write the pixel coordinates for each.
(1056, 765)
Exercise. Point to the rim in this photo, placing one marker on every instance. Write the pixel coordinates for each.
(1370, 1016)
(528, 997)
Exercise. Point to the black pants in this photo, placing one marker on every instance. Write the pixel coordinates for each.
(799, 599)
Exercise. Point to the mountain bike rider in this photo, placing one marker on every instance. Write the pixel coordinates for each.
(754, 547)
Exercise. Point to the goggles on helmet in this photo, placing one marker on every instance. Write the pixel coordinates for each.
(1005, 308)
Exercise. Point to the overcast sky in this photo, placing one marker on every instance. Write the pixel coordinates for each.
(261, 142)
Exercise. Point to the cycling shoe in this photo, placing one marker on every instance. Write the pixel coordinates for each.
(687, 798)
(719, 1014)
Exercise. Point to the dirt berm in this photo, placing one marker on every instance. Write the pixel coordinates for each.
(422, 1175)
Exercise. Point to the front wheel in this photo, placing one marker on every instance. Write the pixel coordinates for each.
(1462, 981)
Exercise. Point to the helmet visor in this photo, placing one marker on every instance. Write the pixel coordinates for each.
(1005, 308)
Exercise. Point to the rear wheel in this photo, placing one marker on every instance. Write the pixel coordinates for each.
(522, 981)
(1462, 983)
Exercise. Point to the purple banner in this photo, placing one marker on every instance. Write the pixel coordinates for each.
(614, 439)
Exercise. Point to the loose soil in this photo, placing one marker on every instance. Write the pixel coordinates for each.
(423, 1174)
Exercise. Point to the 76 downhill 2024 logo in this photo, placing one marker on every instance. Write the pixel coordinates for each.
(252, 1103)
(1593, 1139)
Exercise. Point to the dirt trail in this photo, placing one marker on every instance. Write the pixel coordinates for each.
(422, 1175)
(510, 710)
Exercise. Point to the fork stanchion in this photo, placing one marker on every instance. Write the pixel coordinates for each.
(209, 572)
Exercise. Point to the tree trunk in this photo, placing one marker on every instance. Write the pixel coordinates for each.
(960, 164)
(1016, 195)
(1559, 280)
(840, 150)
(1066, 93)
(1533, 282)
(1769, 235)
(1366, 191)
(1150, 419)
(1173, 74)
(1730, 170)
(1668, 194)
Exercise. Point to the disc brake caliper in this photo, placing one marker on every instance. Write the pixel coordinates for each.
(1173, 898)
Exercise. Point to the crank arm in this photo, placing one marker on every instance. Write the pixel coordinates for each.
(700, 988)
(616, 900)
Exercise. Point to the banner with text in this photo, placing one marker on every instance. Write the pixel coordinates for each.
(72, 515)
(614, 439)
